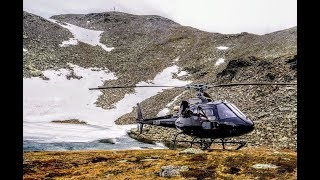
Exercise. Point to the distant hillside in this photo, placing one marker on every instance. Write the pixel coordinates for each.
(145, 45)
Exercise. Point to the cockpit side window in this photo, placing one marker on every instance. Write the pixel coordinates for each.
(208, 112)
(224, 112)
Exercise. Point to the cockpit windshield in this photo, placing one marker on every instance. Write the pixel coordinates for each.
(236, 110)
(224, 112)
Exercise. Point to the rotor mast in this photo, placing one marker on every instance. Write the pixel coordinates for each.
(200, 88)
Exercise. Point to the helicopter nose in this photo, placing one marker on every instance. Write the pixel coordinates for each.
(249, 122)
(250, 125)
(251, 128)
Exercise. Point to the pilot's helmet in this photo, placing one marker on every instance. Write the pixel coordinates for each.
(176, 108)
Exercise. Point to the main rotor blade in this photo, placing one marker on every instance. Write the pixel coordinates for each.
(119, 87)
(208, 86)
(246, 84)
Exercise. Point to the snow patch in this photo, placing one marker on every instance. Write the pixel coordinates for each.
(71, 41)
(163, 112)
(182, 73)
(166, 110)
(219, 61)
(164, 78)
(88, 36)
(59, 99)
(222, 48)
(175, 99)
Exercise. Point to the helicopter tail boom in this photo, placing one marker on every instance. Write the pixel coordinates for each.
(165, 121)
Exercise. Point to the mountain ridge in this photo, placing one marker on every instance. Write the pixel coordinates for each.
(145, 45)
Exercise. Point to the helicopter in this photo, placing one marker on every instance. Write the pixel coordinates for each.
(202, 117)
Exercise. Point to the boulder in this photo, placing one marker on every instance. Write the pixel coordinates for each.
(264, 166)
(191, 151)
(170, 171)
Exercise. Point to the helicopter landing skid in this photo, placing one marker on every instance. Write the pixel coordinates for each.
(205, 144)
(241, 143)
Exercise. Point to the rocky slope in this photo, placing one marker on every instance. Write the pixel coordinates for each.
(145, 45)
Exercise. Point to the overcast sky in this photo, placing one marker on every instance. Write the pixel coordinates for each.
(223, 16)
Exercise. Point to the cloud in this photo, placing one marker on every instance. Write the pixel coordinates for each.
(223, 16)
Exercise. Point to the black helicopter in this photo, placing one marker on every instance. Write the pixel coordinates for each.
(202, 117)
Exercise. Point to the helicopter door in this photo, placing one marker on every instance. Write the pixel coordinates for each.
(211, 121)
(206, 116)
(195, 118)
